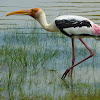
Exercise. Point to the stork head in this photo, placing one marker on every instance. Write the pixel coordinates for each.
(35, 13)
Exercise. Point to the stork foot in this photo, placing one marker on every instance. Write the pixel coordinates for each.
(65, 73)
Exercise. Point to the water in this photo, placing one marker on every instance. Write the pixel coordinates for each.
(20, 51)
(52, 8)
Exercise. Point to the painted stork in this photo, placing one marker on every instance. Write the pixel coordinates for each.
(70, 25)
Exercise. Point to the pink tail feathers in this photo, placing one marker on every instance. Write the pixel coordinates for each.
(96, 29)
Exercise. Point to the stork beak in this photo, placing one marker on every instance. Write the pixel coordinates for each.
(21, 12)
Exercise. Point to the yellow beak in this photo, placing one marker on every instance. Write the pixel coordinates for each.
(23, 12)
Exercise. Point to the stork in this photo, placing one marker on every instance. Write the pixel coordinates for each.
(70, 25)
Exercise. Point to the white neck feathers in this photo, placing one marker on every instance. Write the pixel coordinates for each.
(41, 18)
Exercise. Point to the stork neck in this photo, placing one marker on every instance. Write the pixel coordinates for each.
(43, 22)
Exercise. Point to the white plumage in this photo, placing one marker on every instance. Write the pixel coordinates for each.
(78, 30)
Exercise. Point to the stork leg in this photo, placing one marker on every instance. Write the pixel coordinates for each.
(73, 56)
(91, 54)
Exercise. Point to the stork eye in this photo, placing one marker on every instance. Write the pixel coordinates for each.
(32, 10)
(35, 10)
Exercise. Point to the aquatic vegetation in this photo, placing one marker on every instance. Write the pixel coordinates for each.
(32, 64)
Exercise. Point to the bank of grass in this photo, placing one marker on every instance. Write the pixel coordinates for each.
(28, 70)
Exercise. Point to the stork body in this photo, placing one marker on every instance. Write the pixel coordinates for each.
(70, 25)
(77, 26)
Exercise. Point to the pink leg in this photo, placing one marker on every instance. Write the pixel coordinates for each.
(91, 54)
(73, 56)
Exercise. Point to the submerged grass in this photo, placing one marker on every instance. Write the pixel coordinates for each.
(32, 64)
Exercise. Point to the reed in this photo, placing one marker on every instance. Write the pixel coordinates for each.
(32, 64)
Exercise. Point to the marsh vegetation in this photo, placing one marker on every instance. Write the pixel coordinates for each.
(31, 66)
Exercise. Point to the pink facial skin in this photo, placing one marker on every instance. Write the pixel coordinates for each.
(96, 29)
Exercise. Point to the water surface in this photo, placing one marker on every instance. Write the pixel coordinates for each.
(33, 60)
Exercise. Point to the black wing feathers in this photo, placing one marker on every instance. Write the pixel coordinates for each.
(64, 23)
(72, 23)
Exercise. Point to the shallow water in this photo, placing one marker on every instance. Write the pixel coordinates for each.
(32, 63)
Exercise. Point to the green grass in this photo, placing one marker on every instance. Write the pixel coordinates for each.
(32, 65)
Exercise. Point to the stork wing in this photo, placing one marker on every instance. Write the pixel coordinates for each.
(76, 25)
